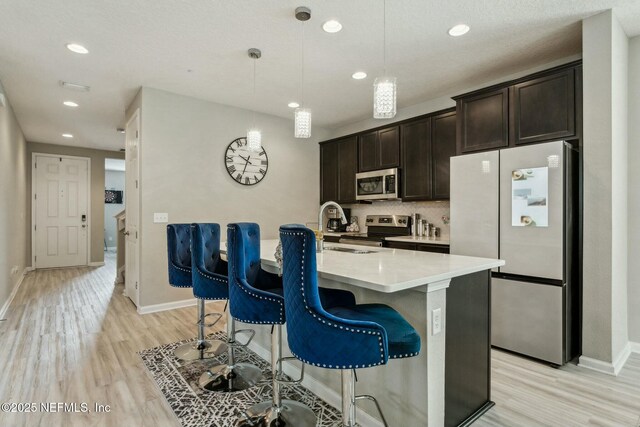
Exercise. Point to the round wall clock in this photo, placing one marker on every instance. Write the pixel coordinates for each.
(245, 166)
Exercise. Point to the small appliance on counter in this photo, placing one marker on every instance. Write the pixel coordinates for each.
(334, 224)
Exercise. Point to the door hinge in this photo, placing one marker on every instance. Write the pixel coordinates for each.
(136, 234)
(35, 196)
(36, 166)
(35, 227)
(136, 285)
(136, 134)
(136, 183)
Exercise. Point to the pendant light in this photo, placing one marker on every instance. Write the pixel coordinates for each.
(254, 136)
(384, 88)
(302, 115)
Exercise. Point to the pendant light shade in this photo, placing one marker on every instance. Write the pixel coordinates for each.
(254, 136)
(254, 140)
(384, 98)
(302, 123)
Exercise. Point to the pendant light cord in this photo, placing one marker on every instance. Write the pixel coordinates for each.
(384, 36)
(254, 93)
(302, 71)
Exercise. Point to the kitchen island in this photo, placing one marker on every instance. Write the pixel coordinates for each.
(447, 300)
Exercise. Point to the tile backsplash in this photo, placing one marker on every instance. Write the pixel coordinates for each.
(430, 211)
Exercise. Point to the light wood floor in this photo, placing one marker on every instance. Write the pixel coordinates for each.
(70, 336)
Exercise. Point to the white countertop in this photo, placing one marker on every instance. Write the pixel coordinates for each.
(387, 270)
(418, 239)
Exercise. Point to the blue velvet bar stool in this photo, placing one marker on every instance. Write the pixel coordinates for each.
(345, 337)
(209, 279)
(179, 260)
(256, 297)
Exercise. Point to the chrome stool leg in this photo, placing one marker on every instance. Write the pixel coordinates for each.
(202, 348)
(349, 400)
(278, 412)
(232, 376)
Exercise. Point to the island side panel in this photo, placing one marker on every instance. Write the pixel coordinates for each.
(468, 347)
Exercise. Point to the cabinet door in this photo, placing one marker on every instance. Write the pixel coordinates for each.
(443, 147)
(416, 160)
(328, 172)
(389, 146)
(544, 109)
(368, 152)
(347, 168)
(483, 121)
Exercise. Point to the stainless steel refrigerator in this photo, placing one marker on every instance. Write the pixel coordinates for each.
(520, 204)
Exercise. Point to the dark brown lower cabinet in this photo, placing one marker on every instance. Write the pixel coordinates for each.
(424, 247)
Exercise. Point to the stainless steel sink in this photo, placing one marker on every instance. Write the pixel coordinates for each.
(349, 250)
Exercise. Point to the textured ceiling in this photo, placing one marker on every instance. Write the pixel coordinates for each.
(155, 43)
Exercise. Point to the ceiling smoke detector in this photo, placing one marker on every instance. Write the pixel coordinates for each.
(303, 13)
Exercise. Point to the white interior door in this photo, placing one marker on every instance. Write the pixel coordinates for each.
(132, 203)
(61, 225)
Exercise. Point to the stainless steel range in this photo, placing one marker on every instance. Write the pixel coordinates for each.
(379, 227)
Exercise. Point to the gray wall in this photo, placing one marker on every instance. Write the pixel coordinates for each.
(634, 190)
(604, 333)
(183, 173)
(97, 189)
(113, 180)
(13, 203)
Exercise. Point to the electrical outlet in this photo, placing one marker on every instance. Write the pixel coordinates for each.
(436, 321)
(160, 217)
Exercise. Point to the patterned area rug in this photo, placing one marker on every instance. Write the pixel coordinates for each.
(178, 382)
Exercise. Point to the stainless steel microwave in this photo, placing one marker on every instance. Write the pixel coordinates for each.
(378, 185)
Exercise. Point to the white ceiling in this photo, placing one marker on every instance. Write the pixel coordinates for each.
(114, 165)
(154, 43)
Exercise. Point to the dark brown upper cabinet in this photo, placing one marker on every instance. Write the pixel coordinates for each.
(416, 178)
(427, 145)
(379, 149)
(443, 147)
(544, 108)
(483, 121)
(338, 168)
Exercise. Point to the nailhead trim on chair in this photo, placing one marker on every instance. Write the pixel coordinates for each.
(211, 278)
(183, 269)
(254, 295)
(304, 245)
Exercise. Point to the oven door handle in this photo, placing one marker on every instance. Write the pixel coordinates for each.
(348, 241)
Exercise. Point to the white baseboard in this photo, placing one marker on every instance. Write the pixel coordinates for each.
(320, 389)
(14, 291)
(609, 368)
(96, 264)
(146, 309)
(635, 347)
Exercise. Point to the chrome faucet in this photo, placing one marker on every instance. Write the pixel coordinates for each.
(343, 219)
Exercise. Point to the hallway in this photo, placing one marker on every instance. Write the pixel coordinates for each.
(71, 336)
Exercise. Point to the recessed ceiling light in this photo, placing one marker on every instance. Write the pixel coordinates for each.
(458, 30)
(70, 104)
(67, 135)
(359, 75)
(332, 26)
(77, 48)
(293, 105)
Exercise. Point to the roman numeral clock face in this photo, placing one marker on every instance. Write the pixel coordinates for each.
(245, 166)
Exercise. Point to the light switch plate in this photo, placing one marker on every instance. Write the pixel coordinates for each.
(160, 218)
